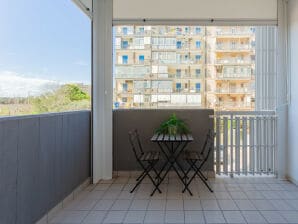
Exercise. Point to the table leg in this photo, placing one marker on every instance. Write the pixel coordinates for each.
(172, 159)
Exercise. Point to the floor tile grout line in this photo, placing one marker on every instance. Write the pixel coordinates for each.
(183, 199)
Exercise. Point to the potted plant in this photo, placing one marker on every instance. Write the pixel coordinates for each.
(173, 126)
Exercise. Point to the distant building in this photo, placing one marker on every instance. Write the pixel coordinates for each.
(184, 66)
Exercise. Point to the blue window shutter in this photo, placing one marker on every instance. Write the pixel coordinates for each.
(124, 44)
(178, 85)
(124, 59)
(179, 44)
(198, 86)
(141, 58)
(198, 44)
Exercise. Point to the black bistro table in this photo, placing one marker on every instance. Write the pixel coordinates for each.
(172, 146)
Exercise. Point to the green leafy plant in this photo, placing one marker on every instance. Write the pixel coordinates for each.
(173, 126)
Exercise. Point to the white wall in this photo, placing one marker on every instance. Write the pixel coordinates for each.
(292, 154)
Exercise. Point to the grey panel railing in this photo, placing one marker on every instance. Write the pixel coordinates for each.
(146, 121)
(43, 158)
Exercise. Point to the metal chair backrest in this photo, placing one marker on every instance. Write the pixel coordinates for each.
(205, 142)
(209, 146)
(135, 142)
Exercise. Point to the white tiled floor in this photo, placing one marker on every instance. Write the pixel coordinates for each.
(235, 200)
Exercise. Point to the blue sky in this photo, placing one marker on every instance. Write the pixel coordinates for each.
(46, 39)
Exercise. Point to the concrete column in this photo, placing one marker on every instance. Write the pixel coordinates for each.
(282, 89)
(102, 80)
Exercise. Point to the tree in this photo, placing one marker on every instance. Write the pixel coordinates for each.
(67, 98)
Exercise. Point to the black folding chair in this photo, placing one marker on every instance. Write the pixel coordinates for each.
(196, 160)
(147, 160)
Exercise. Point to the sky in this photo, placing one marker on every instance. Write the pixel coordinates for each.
(46, 40)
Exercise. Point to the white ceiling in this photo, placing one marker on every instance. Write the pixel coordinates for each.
(195, 9)
(162, 10)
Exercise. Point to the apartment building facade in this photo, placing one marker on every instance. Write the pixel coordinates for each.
(184, 67)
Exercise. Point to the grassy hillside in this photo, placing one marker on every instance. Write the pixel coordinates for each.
(68, 97)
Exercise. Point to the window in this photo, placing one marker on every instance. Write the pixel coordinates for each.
(198, 87)
(124, 44)
(198, 30)
(198, 57)
(116, 105)
(179, 45)
(141, 30)
(124, 59)
(124, 99)
(178, 30)
(178, 86)
(198, 44)
(124, 87)
(141, 59)
(125, 30)
(198, 72)
(253, 29)
(178, 73)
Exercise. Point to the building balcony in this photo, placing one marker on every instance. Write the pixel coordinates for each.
(234, 76)
(133, 34)
(234, 48)
(234, 106)
(232, 32)
(136, 63)
(159, 47)
(233, 91)
(132, 47)
(233, 61)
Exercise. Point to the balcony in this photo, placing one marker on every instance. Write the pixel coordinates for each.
(132, 47)
(62, 143)
(242, 76)
(244, 199)
(234, 48)
(234, 32)
(235, 91)
(234, 105)
(134, 63)
(78, 167)
(170, 47)
(233, 61)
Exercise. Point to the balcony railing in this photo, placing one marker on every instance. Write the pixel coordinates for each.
(233, 90)
(233, 61)
(132, 47)
(164, 47)
(245, 142)
(234, 105)
(231, 47)
(238, 32)
(234, 75)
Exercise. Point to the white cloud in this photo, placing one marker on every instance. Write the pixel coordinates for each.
(15, 85)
